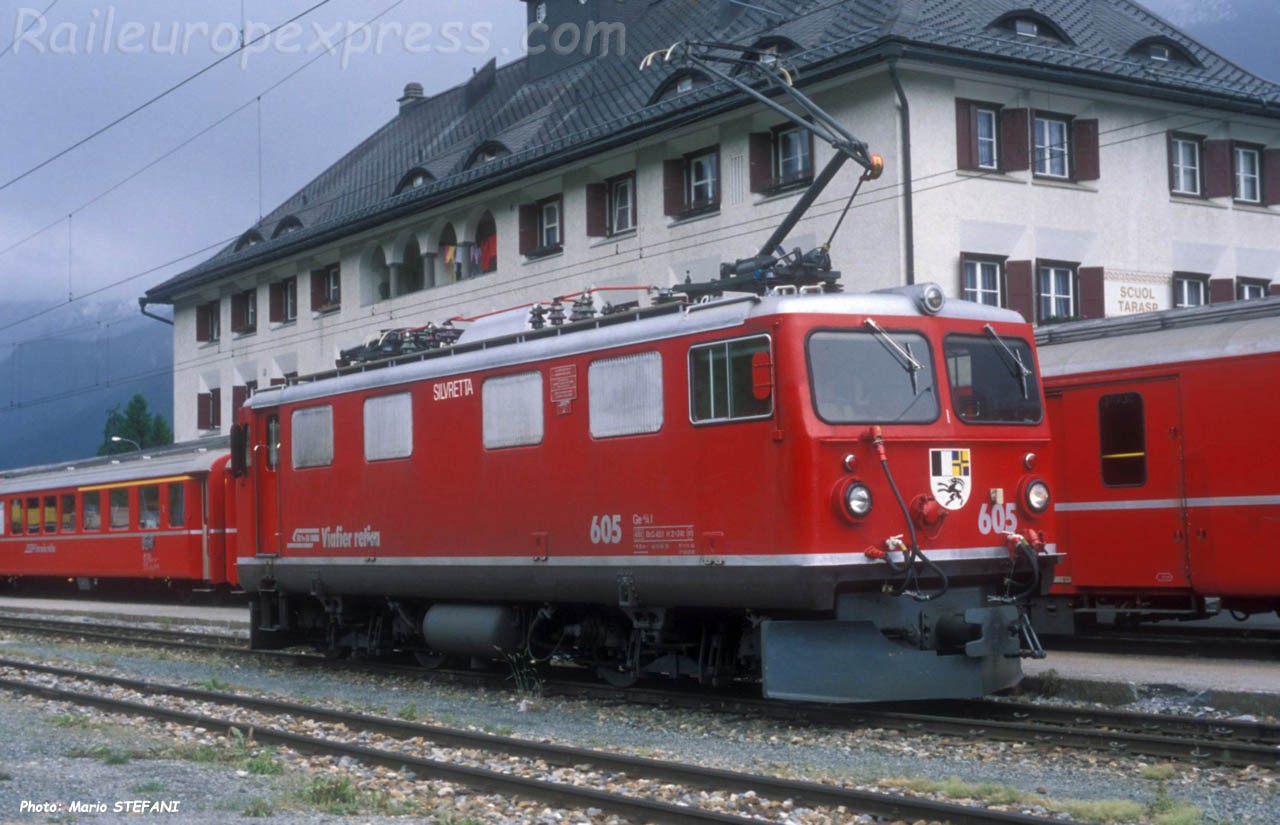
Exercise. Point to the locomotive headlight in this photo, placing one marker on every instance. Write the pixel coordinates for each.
(932, 299)
(1036, 496)
(857, 499)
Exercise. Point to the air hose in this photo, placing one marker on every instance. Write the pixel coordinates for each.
(909, 570)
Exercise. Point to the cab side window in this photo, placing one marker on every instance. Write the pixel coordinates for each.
(730, 380)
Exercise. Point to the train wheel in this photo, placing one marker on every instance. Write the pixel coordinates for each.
(430, 659)
(615, 677)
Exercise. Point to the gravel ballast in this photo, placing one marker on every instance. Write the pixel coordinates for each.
(53, 754)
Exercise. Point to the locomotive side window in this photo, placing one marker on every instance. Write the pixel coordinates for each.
(92, 509)
(149, 506)
(880, 377)
(725, 382)
(15, 516)
(388, 427)
(624, 395)
(992, 379)
(68, 512)
(1122, 440)
(177, 504)
(118, 508)
(273, 442)
(512, 406)
(313, 437)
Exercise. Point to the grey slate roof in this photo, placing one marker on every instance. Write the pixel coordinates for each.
(604, 101)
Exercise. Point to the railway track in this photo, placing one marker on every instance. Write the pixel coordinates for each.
(1116, 732)
(397, 740)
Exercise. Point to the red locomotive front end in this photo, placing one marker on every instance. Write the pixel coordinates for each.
(838, 494)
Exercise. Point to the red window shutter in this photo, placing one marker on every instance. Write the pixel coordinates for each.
(1218, 181)
(528, 228)
(1021, 289)
(215, 407)
(276, 299)
(597, 208)
(278, 382)
(1274, 289)
(239, 305)
(203, 421)
(1084, 135)
(202, 322)
(673, 186)
(1222, 290)
(239, 395)
(1093, 299)
(317, 288)
(1014, 137)
(966, 136)
(1271, 179)
(760, 160)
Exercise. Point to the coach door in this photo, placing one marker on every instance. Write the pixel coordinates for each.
(1122, 502)
(266, 468)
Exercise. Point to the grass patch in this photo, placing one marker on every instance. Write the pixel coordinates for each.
(258, 809)
(332, 794)
(108, 755)
(214, 683)
(497, 730)
(263, 763)
(1163, 810)
(409, 712)
(152, 787)
(70, 720)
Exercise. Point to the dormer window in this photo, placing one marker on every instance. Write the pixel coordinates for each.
(1159, 51)
(1163, 50)
(679, 84)
(684, 84)
(487, 152)
(415, 178)
(1031, 25)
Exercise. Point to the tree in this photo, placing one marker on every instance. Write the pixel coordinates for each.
(136, 423)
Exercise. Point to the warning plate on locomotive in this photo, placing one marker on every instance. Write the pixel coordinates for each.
(949, 476)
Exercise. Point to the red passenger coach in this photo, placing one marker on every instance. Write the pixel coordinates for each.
(1169, 506)
(153, 517)
(840, 495)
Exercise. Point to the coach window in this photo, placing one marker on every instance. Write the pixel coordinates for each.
(388, 427)
(730, 380)
(149, 506)
(15, 516)
(91, 506)
(177, 503)
(1122, 439)
(118, 507)
(313, 437)
(624, 395)
(68, 512)
(50, 513)
(512, 410)
(33, 515)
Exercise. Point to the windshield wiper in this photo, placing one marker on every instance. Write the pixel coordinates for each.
(1012, 359)
(909, 363)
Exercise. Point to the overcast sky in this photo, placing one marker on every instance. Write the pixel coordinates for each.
(72, 71)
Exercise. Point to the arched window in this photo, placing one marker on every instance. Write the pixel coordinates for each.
(248, 239)
(377, 277)
(1032, 25)
(486, 152)
(1163, 50)
(680, 83)
(487, 243)
(450, 266)
(412, 274)
(415, 178)
(287, 224)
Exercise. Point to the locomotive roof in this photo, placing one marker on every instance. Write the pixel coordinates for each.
(179, 459)
(1174, 335)
(655, 324)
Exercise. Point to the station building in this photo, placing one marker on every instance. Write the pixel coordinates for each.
(1064, 158)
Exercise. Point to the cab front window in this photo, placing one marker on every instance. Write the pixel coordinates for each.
(993, 379)
(872, 376)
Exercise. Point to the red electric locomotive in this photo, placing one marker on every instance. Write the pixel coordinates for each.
(158, 517)
(839, 493)
(1169, 506)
